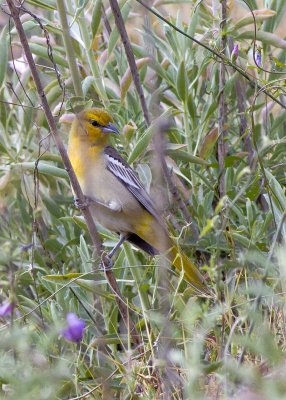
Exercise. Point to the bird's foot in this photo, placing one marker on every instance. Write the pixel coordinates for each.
(106, 263)
(82, 205)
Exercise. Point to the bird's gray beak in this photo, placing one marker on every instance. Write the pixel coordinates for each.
(110, 128)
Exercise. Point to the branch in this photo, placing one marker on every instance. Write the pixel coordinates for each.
(15, 13)
(159, 146)
(222, 151)
(130, 56)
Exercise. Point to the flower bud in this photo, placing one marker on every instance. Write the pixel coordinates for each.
(6, 308)
(257, 58)
(74, 330)
(234, 53)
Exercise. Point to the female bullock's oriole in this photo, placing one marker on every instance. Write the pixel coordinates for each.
(117, 198)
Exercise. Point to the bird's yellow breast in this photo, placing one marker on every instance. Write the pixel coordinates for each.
(83, 156)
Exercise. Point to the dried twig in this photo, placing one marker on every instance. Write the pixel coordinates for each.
(241, 104)
(130, 56)
(15, 13)
(222, 106)
(159, 144)
(222, 146)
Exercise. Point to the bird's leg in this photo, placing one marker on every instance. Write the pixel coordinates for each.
(121, 240)
(108, 257)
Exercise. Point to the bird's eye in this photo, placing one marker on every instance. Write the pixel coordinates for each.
(95, 123)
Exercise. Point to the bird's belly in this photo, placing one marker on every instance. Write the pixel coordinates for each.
(112, 220)
(114, 207)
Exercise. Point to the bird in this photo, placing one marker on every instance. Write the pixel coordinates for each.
(115, 195)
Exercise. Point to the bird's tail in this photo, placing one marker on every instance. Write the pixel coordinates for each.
(155, 235)
(191, 272)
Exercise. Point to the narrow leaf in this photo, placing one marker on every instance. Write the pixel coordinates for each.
(43, 168)
(127, 77)
(4, 55)
(265, 37)
(208, 143)
(96, 17)
(260, 15)
(181, 83)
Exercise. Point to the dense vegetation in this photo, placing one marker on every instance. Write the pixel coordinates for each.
(222, 98)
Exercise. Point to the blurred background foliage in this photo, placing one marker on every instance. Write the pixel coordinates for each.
(228, 346)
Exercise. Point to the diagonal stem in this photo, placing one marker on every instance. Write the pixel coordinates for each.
(15, 14)
(222, 150)
(130, 56)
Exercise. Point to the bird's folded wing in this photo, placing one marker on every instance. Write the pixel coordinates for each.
(122, 170)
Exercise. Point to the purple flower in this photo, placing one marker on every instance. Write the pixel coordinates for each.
(6, 308)
(74, 329)
(257, 58)
(234, 53)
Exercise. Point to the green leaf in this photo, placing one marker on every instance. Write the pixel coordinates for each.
(53, 245)
(41, 51)
(52, 206)
(87, 83)
(191, 106)
(127, 77)
(79, 9)
(278, 63)
(80, 222)
(279, 120)
(265, 37)
(141, 145)
(253, 190)
(277, 190)
(76, 104)
(145, 175)
(3, 54)
(125, 10)
(181, 155)
(43, 168)
(209, 143)
(260, 15)
(48, 4)
(96, 17)
(71, 277)
(182, 82)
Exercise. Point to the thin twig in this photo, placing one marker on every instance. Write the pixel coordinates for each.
(16, 72)
(240, 95)
(130, 56)
(159, 144)
(15, 13)
(241, 104)
(105, 20)
(222, 132)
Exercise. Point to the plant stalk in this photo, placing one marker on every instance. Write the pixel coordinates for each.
(15, 14)
(130, 57)
(222, 132)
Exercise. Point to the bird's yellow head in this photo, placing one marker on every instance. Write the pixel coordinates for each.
(92, 126)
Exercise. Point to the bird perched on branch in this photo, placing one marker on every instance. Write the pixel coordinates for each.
(116, 197)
